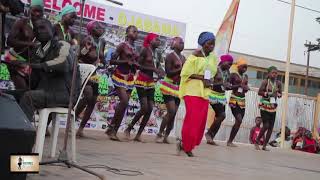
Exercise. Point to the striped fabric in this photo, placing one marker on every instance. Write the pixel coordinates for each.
(235, 100)
(217, 98)
(144, 81)
(265, 105)
(168, 87)
(123, 80)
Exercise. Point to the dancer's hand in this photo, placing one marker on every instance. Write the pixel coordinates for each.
(136, 64)
(207, 83)
(160, 73)
(227, 85)
(279, 95)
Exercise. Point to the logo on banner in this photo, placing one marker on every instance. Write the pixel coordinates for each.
(24, 163)
(93, 125)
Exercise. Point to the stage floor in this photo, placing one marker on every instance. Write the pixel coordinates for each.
(159, 161)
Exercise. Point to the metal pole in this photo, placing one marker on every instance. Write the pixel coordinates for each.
(74, 76)
(286, 84)
(307, 73)
(115, 2)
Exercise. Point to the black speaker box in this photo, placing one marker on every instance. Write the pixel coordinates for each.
(17, 135)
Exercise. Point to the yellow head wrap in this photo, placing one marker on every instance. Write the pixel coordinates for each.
(240, 61)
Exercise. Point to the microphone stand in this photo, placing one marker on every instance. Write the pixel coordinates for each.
(63, 156)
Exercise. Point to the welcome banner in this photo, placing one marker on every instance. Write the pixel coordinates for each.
(120, 17)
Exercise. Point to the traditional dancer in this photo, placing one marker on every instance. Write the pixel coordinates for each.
(217, 96)
(196, 79)
(21, 39)
(66, 18)
(126, 59)
(270, 90)
(90, 50)
(237, 103)
(170, 87)
(149, 66)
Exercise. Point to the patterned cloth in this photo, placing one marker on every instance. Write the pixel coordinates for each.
(123, 80)
(169, 87)
(265, 105)
(235, 100)
(144, 81)
(24, 69)
(217, 98)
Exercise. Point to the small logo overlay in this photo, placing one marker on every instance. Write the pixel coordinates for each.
(24, 163)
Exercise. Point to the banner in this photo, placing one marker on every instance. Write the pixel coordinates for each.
(115, 21)
(120, 17)
(224, 35)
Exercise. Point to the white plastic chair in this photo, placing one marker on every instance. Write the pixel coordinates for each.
(86, 70)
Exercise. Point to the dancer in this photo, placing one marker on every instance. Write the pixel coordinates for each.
(125, 57)
(170, 87)
(149, 66)
(66, 18)
(90, 51)
(270, 90)
(196, 79)
(217, 96)
(239, 82)
(21, 40)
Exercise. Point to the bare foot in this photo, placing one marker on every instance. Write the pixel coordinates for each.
(109, 131)
(179, 147)
(127, 134)
(165, 140)
(230, 144)
(256, 146)
(138, 139)
(114, 137)
(210, 140)
(48, 134)
(80, 133)
(189, 154)
(159, 138)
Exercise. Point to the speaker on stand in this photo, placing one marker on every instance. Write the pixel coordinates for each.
(17, 135)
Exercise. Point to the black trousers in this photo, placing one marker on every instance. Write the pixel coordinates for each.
(38, 99)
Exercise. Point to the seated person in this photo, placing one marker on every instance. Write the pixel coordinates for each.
(52, 62)
(298, 138)
(287, 142)
(254, 132)
(308, 144)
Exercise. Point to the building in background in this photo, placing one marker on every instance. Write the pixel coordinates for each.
(257, 71)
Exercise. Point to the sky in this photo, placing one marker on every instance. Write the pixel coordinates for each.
(261, 28)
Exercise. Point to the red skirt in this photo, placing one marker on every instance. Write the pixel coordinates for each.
(144, 81)
(194, 122)
(123, 80)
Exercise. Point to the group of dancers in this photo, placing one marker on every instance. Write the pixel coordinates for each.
(200, 80)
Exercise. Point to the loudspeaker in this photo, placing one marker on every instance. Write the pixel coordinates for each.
(17, 135)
